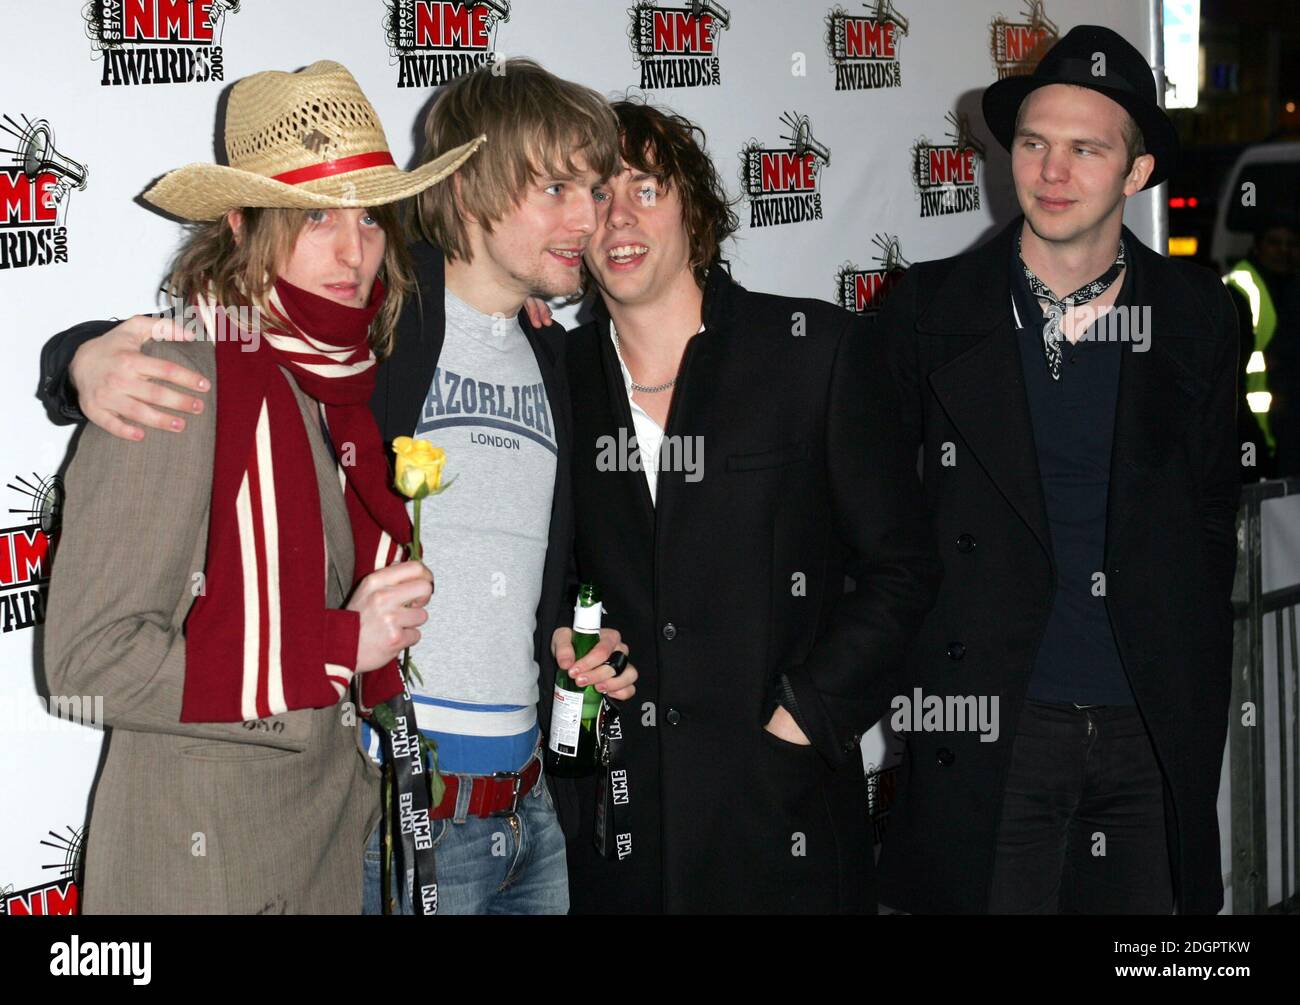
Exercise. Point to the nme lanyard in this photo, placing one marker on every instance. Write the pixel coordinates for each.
(613, 797)
(411, 804)
(410, 807)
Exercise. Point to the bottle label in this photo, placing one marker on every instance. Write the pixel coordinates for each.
(566, 722)
(587, 619)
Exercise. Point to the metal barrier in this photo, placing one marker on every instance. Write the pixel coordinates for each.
(1249, 749)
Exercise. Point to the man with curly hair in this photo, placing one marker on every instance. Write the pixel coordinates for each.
(735, 458)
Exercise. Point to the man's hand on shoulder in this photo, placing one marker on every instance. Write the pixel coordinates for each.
(539, 312)
(118, 384)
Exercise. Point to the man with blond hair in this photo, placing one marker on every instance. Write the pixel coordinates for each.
(471, 373)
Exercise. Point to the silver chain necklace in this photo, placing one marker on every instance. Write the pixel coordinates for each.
(644, 389)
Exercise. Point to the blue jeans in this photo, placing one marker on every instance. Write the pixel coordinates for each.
(487, 865)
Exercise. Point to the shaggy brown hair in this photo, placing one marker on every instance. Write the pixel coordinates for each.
(537, 125)
(671, 148)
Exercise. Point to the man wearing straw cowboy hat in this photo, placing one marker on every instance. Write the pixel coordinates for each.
(261, 583)
(1084, 494)
(499, 540)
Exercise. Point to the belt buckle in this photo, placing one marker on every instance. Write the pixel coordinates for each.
(518, 776)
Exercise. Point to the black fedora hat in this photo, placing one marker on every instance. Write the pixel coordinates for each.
(1127, 80)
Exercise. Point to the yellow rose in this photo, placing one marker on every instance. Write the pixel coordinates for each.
(419, 467)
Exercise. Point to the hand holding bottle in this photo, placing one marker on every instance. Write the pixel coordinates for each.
(592, 668)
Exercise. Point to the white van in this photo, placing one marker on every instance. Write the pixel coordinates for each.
(1274, 171)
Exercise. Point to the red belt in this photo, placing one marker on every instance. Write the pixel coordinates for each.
(490, 795)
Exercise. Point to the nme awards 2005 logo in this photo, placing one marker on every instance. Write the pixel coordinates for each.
(678, 46)
(865, 49)
(158, 41)
(1017, 46)
(26, 551)
(782, 183)
(944, 174)
(863, 291)
(436, 41)
(60, 894)
(34, 189)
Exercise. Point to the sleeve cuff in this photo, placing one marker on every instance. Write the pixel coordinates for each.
(785, 697)
(342, 634)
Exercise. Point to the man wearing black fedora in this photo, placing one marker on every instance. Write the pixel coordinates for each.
(1074, 394)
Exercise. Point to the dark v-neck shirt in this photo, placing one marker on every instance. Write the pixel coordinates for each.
(1074, 424)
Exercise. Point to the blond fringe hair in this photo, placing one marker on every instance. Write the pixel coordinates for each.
(241, 273)
(537, 125)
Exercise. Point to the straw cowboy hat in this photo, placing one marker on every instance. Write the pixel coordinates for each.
(305, 140)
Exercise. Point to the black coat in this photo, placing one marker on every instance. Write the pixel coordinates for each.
(734, 579)
(402, 382)
(1170, 554)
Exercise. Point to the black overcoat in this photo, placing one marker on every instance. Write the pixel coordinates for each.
(1169, 557)
(737, 577)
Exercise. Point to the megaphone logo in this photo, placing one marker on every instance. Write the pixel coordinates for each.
(864, 48)
(678, 46)
(946, 175)
(782, 183)
(498, 10)
(35, 185)
(719, 14)
(435, 41)
(884, 11)
(864, 290)
(802, 138)
(37, 154)
(1017, 46)
(158, 41)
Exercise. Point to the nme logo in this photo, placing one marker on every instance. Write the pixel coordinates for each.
(782, 184)
(864, 50)
(34, 189)
(1018, 46)
(25, 553)
(945, 175)
(678, 46)
(435, 41)
(863, 291)
(158, 41)
(59, 895)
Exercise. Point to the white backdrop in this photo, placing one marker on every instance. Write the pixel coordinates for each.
(90, 72)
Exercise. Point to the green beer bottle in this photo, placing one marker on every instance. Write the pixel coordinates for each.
(571, 746)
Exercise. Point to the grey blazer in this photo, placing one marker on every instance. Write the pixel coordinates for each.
(266, 816)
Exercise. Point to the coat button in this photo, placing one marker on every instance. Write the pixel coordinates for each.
(850, 745)
(670, 631)
(956, 650)
(946, 756)
(965, 544)
(674, 717)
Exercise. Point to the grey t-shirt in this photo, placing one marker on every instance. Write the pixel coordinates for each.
(484, 538)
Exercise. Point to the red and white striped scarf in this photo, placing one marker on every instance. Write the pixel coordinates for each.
(260, 640)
